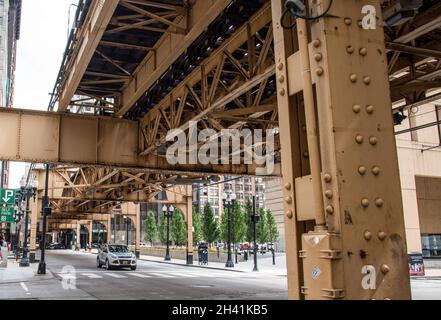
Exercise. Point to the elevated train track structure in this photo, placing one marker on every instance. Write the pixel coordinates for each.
(330, 88)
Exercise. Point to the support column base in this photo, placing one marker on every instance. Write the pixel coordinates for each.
(32, 257)
(190, 259)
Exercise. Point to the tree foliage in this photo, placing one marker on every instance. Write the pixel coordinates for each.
(238, 226)
(197, 225)
(249, 227)
(262, 230)
(210, 228)
(150, 228)
(162, 228)
(273, 231)
(178, 230)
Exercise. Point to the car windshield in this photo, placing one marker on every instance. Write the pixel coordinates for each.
(118, 249)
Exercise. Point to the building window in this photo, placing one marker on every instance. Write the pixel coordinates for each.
(431, 245)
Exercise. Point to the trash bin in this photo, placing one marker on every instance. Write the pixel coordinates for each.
(203, 254)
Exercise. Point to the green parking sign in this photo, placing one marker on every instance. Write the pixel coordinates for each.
(7, 196)
(7, 214)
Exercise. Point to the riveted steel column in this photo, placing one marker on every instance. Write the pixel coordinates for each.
(294, 149)
(362, 191)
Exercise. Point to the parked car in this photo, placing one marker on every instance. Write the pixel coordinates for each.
(116, 256)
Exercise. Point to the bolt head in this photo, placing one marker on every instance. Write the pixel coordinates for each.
(367, 80)
(329, 194)
(280, 66)
(330, 210)
(362, 170)
(370, 109)
(353, 77)
(382, 235)
(368, 235)
(359, 139)
(316, 43)
(288, 186)
(289, 214)
(288, 200)
(379, 202)
(385, 268)
(350, 49)
(327, 177)
(363, 52)
(319, 71)
(282, 92)
(373, 141)
(348, 21)
(318, 57)
(356, 108)
(282, 79)
(365, 202)
(376, 171)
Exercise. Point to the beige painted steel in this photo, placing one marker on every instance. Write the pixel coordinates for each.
(43, 137)
(34, 205)
(304, 201)
(169, 48)
(290, 129)
(359, 157)
(138, 235)
(90, 35)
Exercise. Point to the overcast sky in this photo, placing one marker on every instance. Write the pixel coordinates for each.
(43, 39)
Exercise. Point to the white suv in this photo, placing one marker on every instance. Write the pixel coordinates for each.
(115, 256)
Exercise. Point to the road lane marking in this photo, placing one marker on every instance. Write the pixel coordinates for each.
(25, 288)
(117, 276)
(161, 275)
(139, 275)
(184, 275)
(92, 276)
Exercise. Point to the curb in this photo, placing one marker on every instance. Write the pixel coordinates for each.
(193, 266)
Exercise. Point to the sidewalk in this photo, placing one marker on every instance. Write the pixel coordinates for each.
(264, 264)
(14, 273)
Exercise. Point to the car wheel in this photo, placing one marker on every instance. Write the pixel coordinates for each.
(108, 267)
(133, 268)
(98, 263)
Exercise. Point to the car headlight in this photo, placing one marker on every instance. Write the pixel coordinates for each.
(113, 256)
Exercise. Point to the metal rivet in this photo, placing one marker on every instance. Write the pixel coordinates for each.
(318, 57)
(288, 186)
(289, 214)
(385, 268)
(280, 66)
(363, 51)
(359, 139)
(350, 49)
(367, 80)
(348, 21)
(362, 170)
(327, 177)
(379, 202)
(356, 108)
(306, 154)
(376, 171)
(330, 209)
(288, 200)
(282, 79)
(370, 109)
(319, 71)
(304, 128)
(382, 235)
(373, 141)
(368, 235)
(365, 202)
(353, 77)
(316, 43)
(282, 92)
(329, 194)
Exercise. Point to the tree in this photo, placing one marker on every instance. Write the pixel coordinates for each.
(197, 225)
(150, 228)
(249, 227)
(209, 227)
(178, 230)
(262, 231)
(237, 223)
(272, 230)
(162, 229)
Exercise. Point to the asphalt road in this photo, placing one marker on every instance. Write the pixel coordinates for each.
(76, 277)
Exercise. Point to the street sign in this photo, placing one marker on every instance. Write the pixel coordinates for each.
(7, 214)
(7, 196)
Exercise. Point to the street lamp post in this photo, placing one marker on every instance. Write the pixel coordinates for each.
(168, 213)
(127, 229)
(27, 192)
(255, 218)
(46, 212)
(229, 200)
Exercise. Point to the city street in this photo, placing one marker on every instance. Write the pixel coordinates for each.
(75, 276)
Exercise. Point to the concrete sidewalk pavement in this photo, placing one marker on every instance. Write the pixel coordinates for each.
(14, 273)
(264, 264)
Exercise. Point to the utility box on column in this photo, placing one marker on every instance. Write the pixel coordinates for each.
(322, 265)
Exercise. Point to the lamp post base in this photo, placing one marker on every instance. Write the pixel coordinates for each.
(229, 264)
(24, 262)
(167, 257)
(189, 259)
(41, 268)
